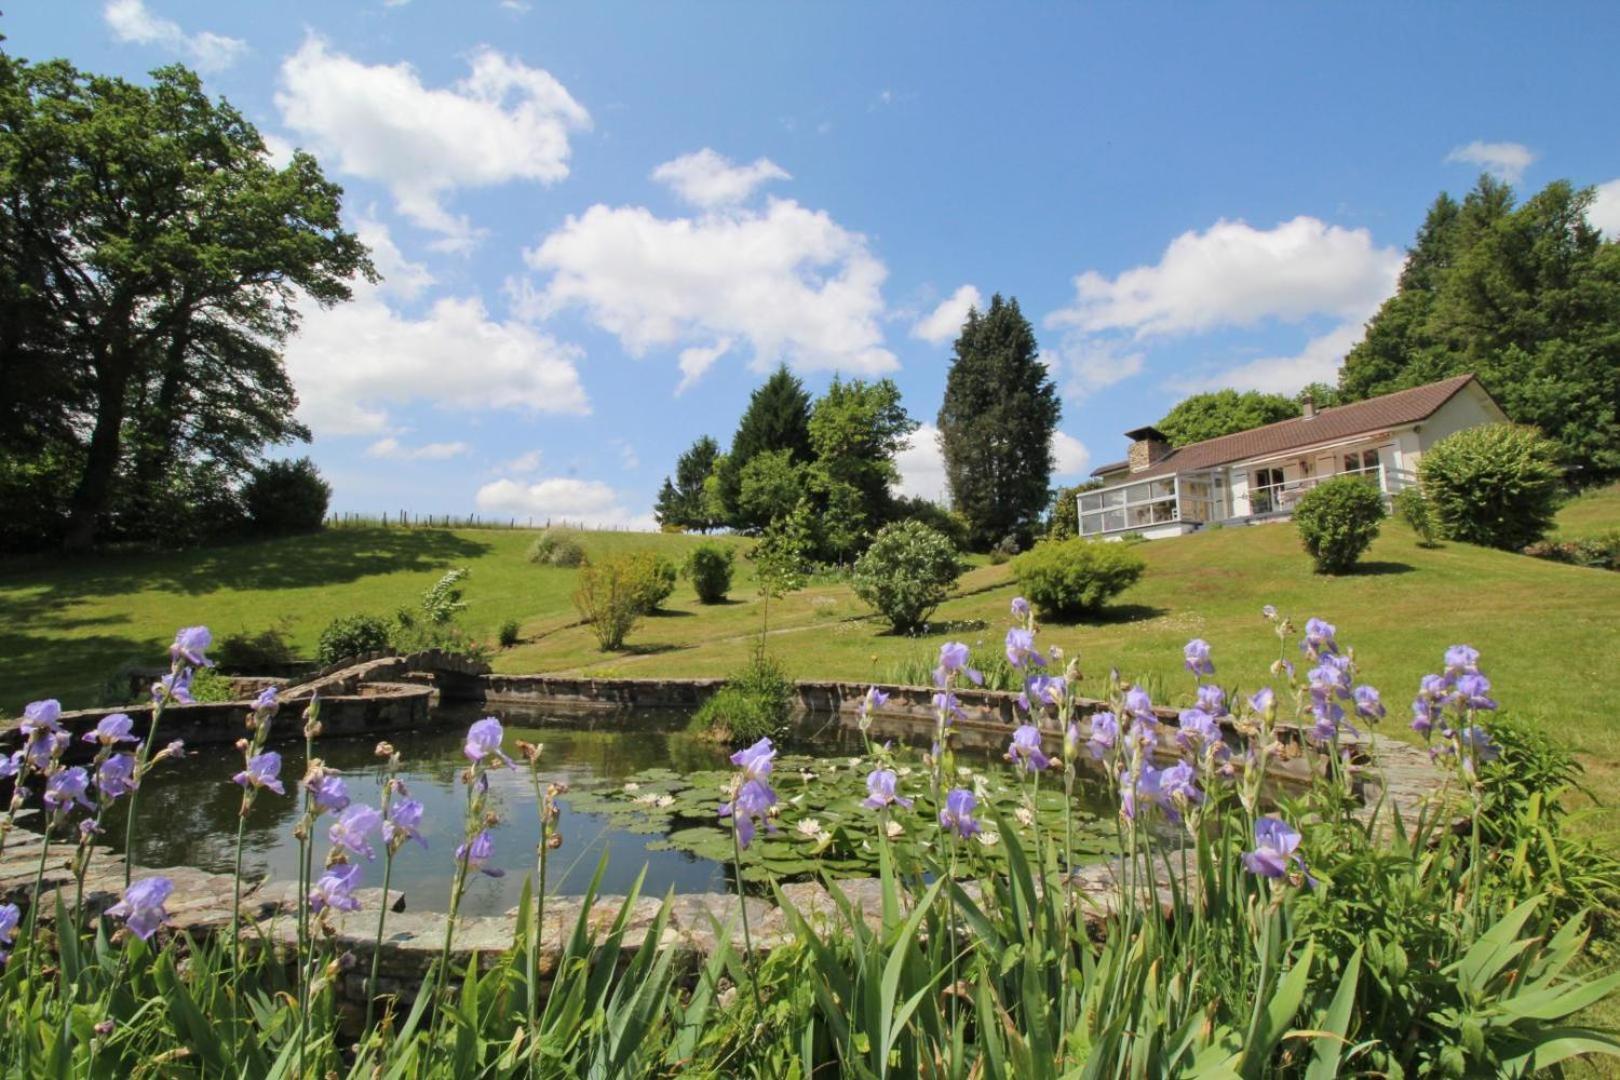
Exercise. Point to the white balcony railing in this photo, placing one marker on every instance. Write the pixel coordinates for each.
(1282, 498)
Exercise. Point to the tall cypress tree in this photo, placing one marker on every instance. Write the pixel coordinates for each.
(996, 424)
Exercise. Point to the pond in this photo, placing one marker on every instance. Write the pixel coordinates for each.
(642, 788)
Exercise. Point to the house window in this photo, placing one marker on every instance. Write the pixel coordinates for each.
(1265, 490)
(1361, 461)
(1131, 506)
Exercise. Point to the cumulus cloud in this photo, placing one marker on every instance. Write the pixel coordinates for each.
(523, 464)
(131, 21)
(697, 360)
(400, 275)
(1069, 455)
(945, 321)
(1503, 160)
(790, 282)
(1087, 365)
(708, 179)
(590, 503)
(1604, 213)
(922, 467)
(392, 449)
(353, 361)
(504, 121)
(1318, 361)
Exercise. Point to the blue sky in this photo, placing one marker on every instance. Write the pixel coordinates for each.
(602, 223)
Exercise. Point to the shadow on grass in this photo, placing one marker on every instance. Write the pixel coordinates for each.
(654, 649)
(1378, 569)
(1115, 614)
(670, 613)
(75, 671)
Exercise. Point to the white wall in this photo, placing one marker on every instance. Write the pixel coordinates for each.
(1469, 407)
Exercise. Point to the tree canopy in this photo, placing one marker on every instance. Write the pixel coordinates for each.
(153, 259)
(1223, 412)
(996, 424)
(1525, 296)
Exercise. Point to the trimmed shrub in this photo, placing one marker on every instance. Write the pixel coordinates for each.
(1496, 485)
(1338, 520)
(1415, 510)
(655, 578)
(252, 653)
(508, 636)
(352, 635)
(709, 567)
(754, 704)
(556, 547)
(286, 497)
(907, 573)
(1073, 578)
(609, 596)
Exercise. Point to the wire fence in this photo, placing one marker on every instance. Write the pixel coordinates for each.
(404, 519)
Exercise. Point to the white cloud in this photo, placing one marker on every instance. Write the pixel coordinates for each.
(1318, 361)
(1093, 364)
(708, 179)
(945, 321)
(791, 282)
(393, 450)
(1503, 160)
(400, 275)
(627, 455)
(131, 21)
(277, 149)
(1236, 275)
(560, 498)
(697, 360)
(1604, 213)
(352, 361)
(922, 467)
(1069, 455)
(505, 121)
(523, 464)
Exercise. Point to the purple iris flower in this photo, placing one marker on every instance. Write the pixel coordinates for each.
(1143, 790)
(1212, 699)
(329, 791)
(953, 657)
(335, 889)
(1196, 657)
(269, 698)
(1425, 714)
(478, 853)
(484, 740)
(10, 917)
(112, 729)
(1276, 846)
(66, 788)
(1321, 639)
(1139, 706)
(1046, 690)
(958, 813)
(115, 778)
(1020, 607)
(756, 761)
(1021, 649)
(1269, 612)
(1198, 728)
(1104, 735)
(45, 747)
(41, 716)
(1368, 704)
(11, 764)
(350, 832)
(1178, 786)
(404, 817)
(1329, 678)
(191, 644)
(1025, 749)
(1262, 700)
(872, 699)
(753, 800)
(1477, 747)
(1462, 660)
(1072, 741)
(880, 791)
(1329, 718)
(1473, 692)
(263, 771)
(948, 708)
(142, 906)
(174, 686)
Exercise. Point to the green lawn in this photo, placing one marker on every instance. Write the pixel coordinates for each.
(1549, 633)
(1596, 512)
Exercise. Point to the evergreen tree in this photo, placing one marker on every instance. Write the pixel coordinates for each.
(777, 418)
(670, 509)
(682, 503)
(1223, 412)
(996, 424)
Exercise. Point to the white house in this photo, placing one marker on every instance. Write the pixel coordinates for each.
(1258, 475)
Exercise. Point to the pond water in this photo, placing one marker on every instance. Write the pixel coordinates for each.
(642, 789)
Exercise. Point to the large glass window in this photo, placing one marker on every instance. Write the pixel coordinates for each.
(1131, 506)
(1265, 489)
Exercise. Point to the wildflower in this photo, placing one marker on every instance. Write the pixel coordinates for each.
(484, 740)
(1197, 728)
(350, 831)
(269, 698)
(1473, 692)
(111, 730)
(40, 717)
(1275, 849)
(948, 708)
(174, 687)
(1462, 660)
(1020, 607)
(753, 800)
(329, 791)
(1104, 734)
(1021, 650)
(1196, 657)
(1025, 749)
(335, 889)
(66, 788)
(1369, 705)
(404, 817)
(142, 906)
(1047, 689)
(1280, 666)
(957, 816)
(756, 761)
(1139, 706)
(1321, 639)
(262, 771)
(1212, 699)
(89, 829)
(478, 852)
(115, 777)
(190, 645)
(10, 917)
(1178, 787)
(880, 791)
(953, 658)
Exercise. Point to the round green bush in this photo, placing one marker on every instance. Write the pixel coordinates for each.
(509, 634)
(1496, 485)
(709, 566)
(286, 497)
(907, 573)
(1072, 578)
(556, 547)
(1338, 520)
(653, 580)
(352, 635)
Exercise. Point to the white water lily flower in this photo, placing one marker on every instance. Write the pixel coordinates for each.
(648, 799)
(893, 829)
(665, 800)
(987, 838)
(810, 827)
(1024, 816)
(904, 770)
(632, 786)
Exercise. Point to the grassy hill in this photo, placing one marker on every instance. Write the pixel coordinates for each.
(1549, 633)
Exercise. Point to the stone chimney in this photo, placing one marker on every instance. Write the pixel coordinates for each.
(1308, 406)
(1148, 448)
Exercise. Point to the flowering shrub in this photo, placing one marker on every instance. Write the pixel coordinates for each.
(1338, 520)
(907, 572)
(1075, 578)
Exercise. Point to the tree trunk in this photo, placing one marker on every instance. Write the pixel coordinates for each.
(101, 462)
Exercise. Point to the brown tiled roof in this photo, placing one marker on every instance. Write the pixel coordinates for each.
(1341, 422)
